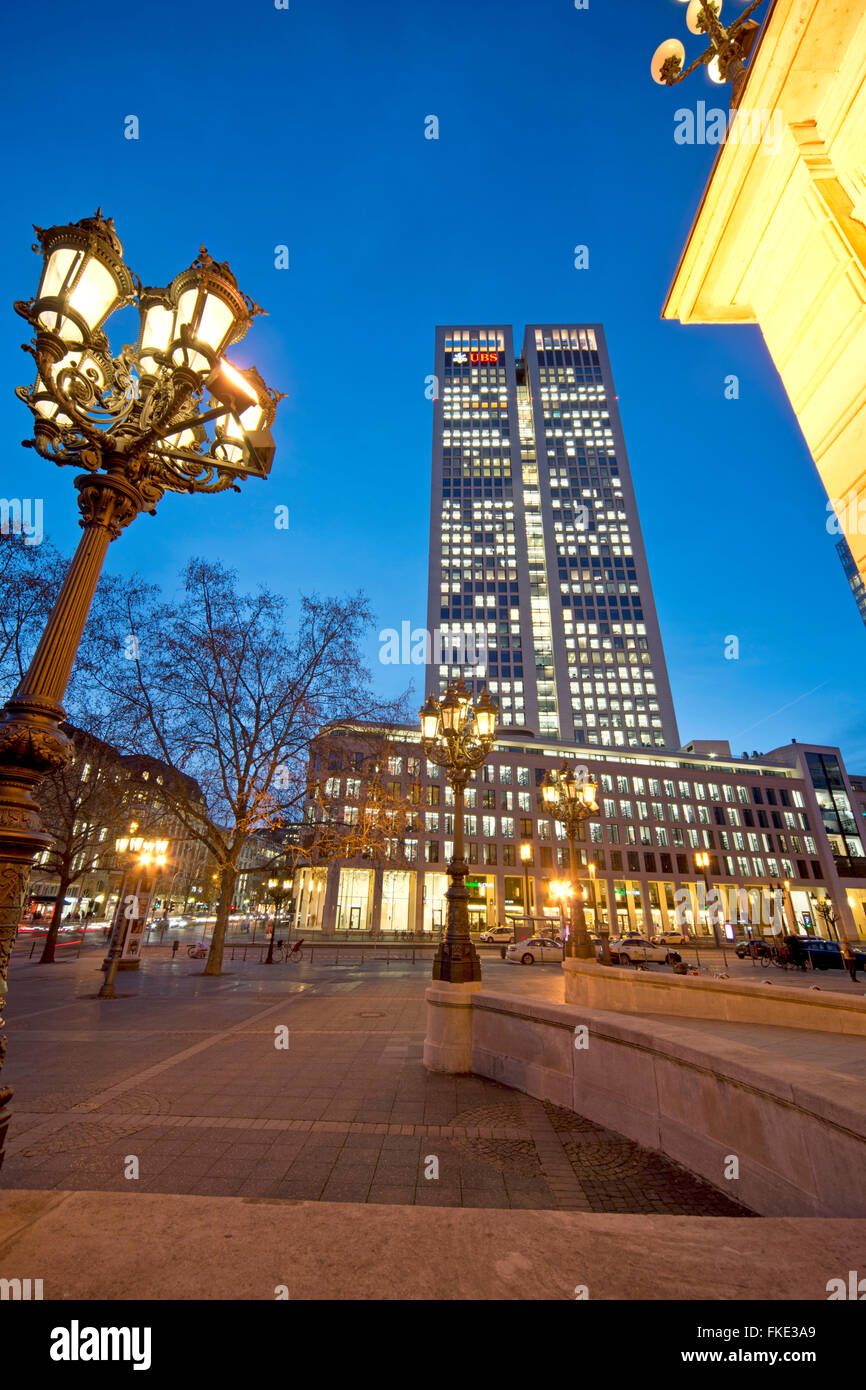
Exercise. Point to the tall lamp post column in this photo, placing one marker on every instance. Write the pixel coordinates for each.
(151, 859)
(571, 800)
(457, 735)
(167, 415)
(526, 860)
(603, 933)
(702, 861)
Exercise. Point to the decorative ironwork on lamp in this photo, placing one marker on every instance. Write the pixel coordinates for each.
(457, 735)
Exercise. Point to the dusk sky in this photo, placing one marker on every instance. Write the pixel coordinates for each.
(261, 127)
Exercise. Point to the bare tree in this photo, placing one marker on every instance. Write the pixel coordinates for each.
(77, 803)
(217, 687)
(30, 579)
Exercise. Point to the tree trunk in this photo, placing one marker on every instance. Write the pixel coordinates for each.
(47, 957)
(228, 878)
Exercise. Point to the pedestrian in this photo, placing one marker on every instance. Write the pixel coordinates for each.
(174, 946)
(849, 958)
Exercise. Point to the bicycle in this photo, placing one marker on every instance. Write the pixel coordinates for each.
(782, 958)
(294, 954)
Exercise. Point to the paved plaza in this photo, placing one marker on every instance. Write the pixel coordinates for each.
(189, 1082)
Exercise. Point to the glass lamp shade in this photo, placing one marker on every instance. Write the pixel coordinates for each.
(695, 13)
(588, 791)
(83, 278)
(569, 786)
(157, 329)
(211, 312)
(429, 715)
(451, 711)
(525, 853)
(486, 711)
(549, 791)
(252, 409)
(670, 49)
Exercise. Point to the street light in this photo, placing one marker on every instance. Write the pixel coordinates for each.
(702, 861)
(602, 928)
(561, 892)
(150, 855)
(724, 59)
(458, 735)
(169, 414)
(571, 799)
(526, 860)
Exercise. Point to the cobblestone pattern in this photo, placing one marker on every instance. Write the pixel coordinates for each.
(209, 1105)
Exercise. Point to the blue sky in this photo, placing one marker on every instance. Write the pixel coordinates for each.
(261, 127)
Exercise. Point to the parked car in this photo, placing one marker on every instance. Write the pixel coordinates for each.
(627, 950)
(669, 938)
(827, 955)
(499, 933)
(534, 948)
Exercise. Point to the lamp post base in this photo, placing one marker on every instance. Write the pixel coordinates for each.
(456, 961)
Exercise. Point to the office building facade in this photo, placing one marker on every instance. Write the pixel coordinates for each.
(538, 578)
(791, 822)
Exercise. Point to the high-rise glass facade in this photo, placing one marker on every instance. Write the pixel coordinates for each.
(538, 580)
(853, 575)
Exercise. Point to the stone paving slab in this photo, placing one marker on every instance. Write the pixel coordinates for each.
(238, 1249)
(191, 1083)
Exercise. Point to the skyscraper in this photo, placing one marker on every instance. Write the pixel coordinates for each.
(853, 575)
(538, 577)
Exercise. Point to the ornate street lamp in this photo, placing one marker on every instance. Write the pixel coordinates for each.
(458, 735)
(561, 892)
(571, 800)
(702, 862)
(526, 860)
(724, 59)
(151, 857)
(169, 414)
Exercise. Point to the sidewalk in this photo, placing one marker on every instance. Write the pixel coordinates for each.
(246, 1249)
(185, 1075)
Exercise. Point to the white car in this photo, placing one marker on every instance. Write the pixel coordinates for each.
(624, 950)
(534, 948)
(669, 938)
(496, 934)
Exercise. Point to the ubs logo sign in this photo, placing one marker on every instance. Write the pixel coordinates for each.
(476, 357)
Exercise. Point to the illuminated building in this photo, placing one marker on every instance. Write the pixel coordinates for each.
(538, 579)
(853, 575)
(779, 238)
